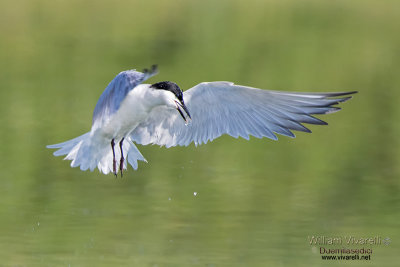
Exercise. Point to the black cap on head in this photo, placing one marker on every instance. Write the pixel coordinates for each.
(169, 86)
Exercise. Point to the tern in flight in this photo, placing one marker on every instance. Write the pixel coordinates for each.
(130, 112)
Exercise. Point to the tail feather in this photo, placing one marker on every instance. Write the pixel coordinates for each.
(87, 154)
(67, 146)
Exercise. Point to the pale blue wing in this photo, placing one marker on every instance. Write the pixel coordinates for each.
(219, 108)
(116, 91)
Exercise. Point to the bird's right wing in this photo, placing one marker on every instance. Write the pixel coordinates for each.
(116, 91)
(219, 108)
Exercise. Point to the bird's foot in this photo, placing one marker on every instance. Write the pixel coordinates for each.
(114, 161)
(121, 161)
(121, 165)
(115, 168)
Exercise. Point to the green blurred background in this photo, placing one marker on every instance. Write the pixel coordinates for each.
(257, 201)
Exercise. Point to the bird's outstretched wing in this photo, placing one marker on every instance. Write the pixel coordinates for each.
(219, 108)
(116, 91)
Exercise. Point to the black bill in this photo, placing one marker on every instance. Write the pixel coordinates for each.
(180, 107)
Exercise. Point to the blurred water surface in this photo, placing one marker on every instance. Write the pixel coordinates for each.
(231, 202)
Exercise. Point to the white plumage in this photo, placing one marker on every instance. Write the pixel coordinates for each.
(129, 111)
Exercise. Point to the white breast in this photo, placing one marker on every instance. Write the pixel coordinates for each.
(132, 111)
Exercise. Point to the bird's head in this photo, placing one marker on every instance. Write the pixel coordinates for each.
(172, 96)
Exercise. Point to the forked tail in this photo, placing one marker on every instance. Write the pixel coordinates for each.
(87, 154)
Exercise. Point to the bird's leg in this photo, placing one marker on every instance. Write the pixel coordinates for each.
(121, 161)
(114, 161)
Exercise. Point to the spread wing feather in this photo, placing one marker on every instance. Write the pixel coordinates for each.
(219, 108)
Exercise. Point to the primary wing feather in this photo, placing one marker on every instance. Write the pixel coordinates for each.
(219, 108)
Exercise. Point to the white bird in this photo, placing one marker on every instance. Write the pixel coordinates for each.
(129, 111)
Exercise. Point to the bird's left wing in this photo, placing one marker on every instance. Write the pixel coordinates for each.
(116, 91)
(219, 108)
